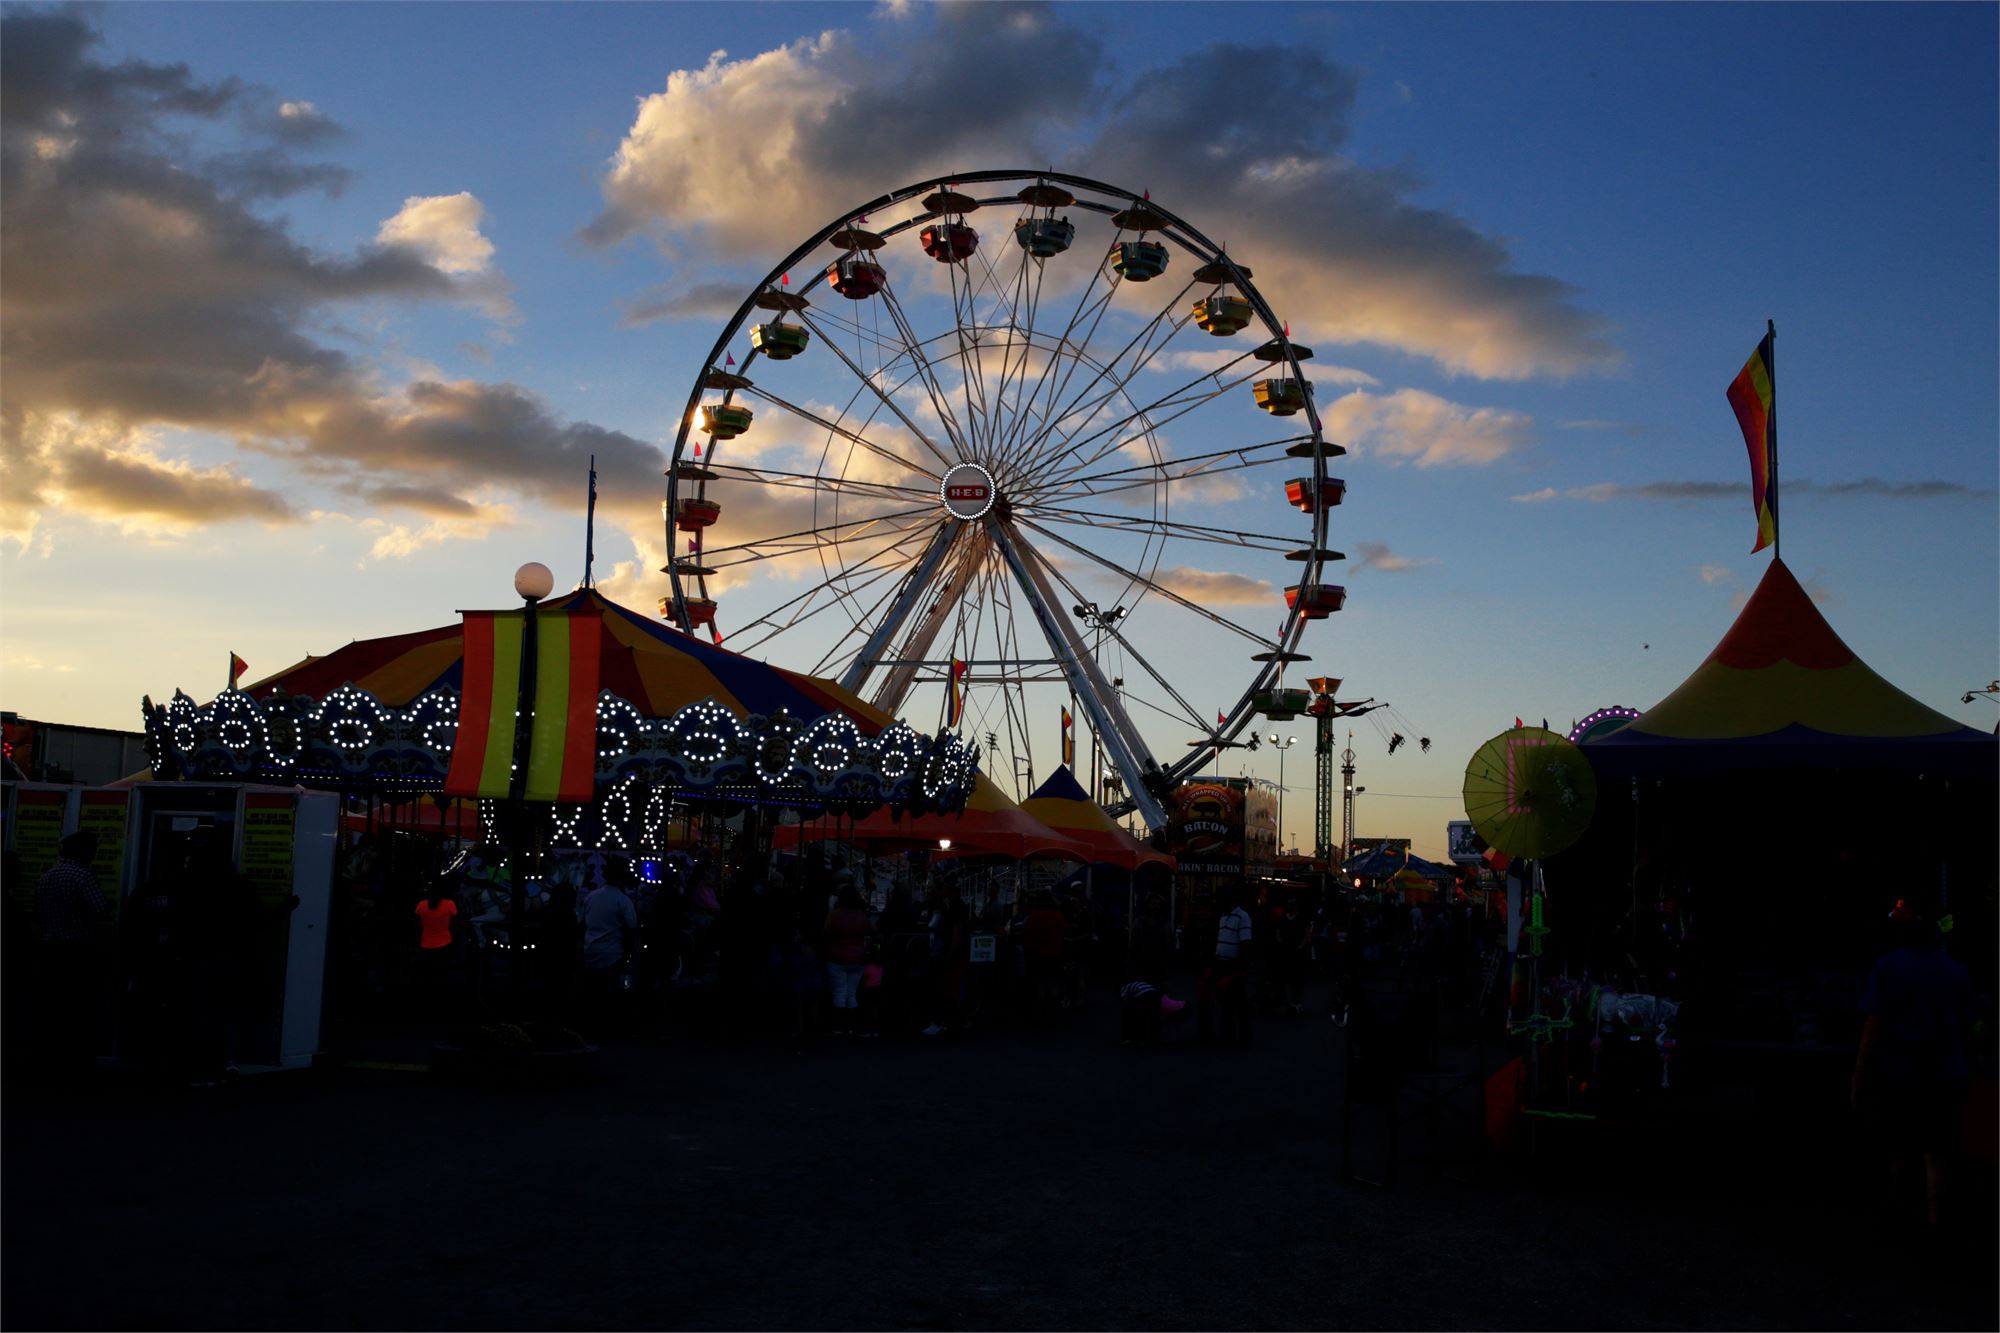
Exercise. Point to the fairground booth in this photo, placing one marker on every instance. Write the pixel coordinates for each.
(1752, 834)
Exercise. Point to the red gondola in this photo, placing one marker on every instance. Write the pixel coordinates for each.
(1303, 495)
(700, 611)
(856, 277)
(949, 242)
(1315, 601)
(692, 515)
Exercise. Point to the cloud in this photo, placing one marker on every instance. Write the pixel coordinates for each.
(443, 229)
(1216, 587)
(1867, 487)
(1622, 427)
(115, 471)
(1356, 259)
(704, 300)
(1377, 556)
(143, 289)
(1208, 362)
(1713, 574)
(1424, 428)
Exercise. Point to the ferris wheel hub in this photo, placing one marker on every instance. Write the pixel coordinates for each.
(967, 491)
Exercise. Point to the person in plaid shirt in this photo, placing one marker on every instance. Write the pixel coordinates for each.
(68, 902)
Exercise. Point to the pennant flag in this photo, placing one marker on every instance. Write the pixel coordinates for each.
(954, 710)
(1754, 395)
(1149, 196)
(237, 666)
(729, 359)
(562, 739)
(1068, 738)
(1518, 724)
(785, 281)
(1221, 718)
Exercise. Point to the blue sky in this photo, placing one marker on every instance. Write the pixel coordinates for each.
(1538, 240)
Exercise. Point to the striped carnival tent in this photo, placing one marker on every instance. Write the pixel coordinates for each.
(621, 711)
(1063, 805)
(655, 667)
(1782, 691)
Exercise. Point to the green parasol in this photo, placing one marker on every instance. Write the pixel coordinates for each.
(1529, 792)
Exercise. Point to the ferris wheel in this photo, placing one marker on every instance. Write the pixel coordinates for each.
(1015, 454)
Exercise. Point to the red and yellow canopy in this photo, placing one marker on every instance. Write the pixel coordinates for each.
(1782, 690)
(655, 667)
(1063, 805)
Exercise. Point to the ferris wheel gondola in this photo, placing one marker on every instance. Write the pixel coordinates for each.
(987, 443)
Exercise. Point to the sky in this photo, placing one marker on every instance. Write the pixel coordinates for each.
(314, 314)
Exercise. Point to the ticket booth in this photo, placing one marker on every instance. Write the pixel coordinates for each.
(281, 841)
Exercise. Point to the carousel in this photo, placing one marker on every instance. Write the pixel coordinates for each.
(611, 727)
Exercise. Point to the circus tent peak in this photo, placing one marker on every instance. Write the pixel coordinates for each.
(1781, 688)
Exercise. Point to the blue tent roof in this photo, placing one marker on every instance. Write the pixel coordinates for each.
(1382, 862)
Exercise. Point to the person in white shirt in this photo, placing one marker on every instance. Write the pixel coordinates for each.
(610, 936)
(1232, 978)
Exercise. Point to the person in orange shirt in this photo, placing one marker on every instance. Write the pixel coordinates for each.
(434, 940)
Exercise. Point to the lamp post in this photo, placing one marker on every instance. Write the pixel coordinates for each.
(1282, 744)
(532, 582)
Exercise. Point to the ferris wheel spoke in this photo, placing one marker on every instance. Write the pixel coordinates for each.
(1013, 445)
(1168, 407)
(1165, 527)
(862, 333)
(1261, 640)
(1108, 369)
(887, 401)
(1207, 460)
(1189, 711)
(1021, 334)
(927, 373)
(1209, 465)
(805, 538)
(811, 481)
(1108, 719)
(965, 316)
(834, 427)
(802, 606)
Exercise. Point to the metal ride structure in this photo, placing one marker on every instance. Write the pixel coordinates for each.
(986, 444)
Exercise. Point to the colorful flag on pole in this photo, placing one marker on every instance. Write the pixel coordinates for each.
(1754, 395)
(1221, 718)
(1068, 738)
(237, 666)
(562, 740)
(954, 711)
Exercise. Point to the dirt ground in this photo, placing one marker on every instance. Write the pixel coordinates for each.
(1012, 1178)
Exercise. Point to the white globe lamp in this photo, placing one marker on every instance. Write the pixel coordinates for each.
(533, 581)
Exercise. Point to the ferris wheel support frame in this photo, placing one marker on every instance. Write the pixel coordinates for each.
(1107, 716)
(906, 601)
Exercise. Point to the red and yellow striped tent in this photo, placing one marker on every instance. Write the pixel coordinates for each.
(656, 668)
(1782, 691)
(1063, 805)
